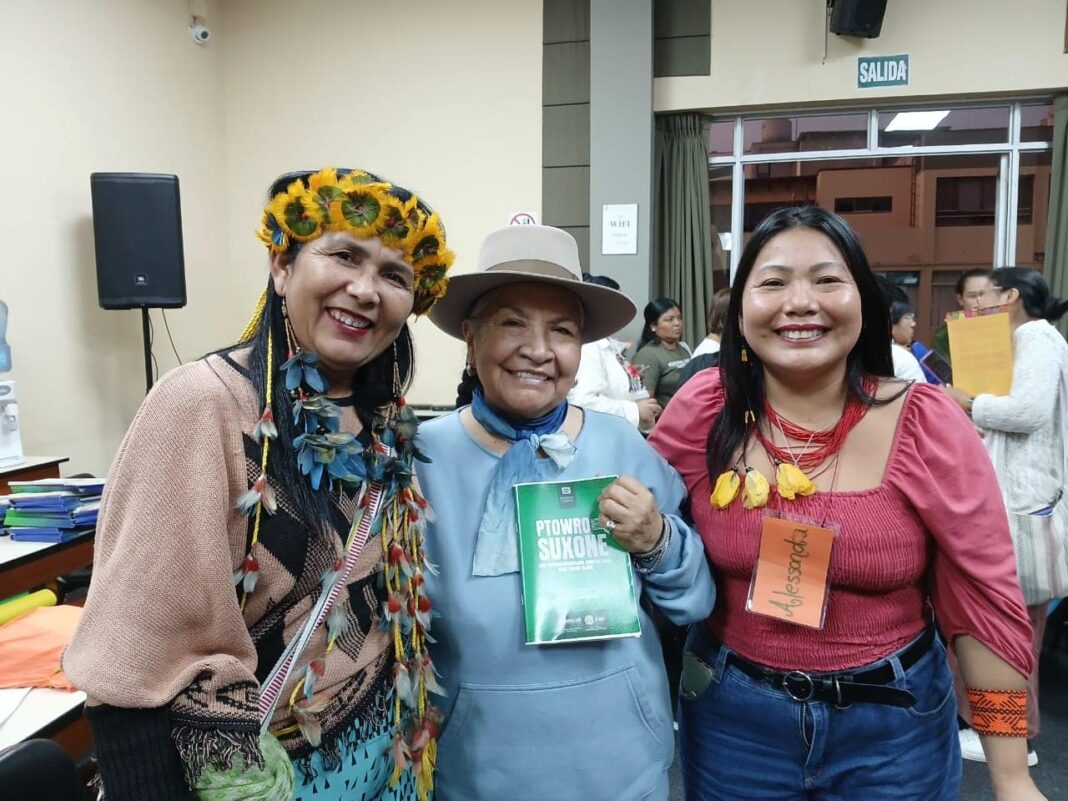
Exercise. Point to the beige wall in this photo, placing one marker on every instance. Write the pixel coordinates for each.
(444, 98)
(770, 53)
(101, 86)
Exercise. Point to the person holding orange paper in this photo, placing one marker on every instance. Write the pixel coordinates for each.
(1025, 435)
(830, 498)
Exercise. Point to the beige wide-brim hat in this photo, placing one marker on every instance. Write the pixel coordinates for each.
(532, 253)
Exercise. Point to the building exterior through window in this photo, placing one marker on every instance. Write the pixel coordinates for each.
(931, 190)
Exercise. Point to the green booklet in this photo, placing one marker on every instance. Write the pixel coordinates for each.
(577, 580)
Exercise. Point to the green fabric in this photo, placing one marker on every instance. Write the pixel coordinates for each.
(682, 262)
(940, 342)
(663, 367)
(276, 781)
(1056, 265)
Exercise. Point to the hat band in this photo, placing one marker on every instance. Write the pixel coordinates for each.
(533, 267)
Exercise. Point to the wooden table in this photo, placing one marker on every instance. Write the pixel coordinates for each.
(30, 468)
(25, 566)
(55, 714)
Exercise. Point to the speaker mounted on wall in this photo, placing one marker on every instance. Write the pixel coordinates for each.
(137, 227)
(862, 18)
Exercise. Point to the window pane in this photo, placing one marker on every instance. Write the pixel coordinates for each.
(719, 190)
(897, 206)
(1036, 123)
(965, 200)
(806, 133)
(964, 126)
(883, 204)
(721, 138)
(1033, 209)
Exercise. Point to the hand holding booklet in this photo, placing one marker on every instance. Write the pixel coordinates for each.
(578, 583)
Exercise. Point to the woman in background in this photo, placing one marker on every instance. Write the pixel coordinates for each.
(903, 325)
(1025, 433)
(706, 354)
(605, 382)
(661, 351)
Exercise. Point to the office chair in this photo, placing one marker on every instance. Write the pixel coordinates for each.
(39, 770)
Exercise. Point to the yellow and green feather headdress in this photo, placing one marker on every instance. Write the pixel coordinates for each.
(365, 206)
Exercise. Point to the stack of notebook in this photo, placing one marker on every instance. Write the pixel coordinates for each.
(52, 509)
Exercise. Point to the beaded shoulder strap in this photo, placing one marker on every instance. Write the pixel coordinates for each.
(271, 689)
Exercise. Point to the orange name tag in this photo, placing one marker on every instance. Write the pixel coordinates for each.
(790, 581)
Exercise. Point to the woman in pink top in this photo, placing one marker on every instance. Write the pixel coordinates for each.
(870, 503)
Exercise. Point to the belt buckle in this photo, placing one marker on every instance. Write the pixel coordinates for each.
(798, 675)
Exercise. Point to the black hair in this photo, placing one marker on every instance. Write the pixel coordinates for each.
(465, 390)
(600, 280)
(899, 310)
(892, 293)
(1038, 301)
(653, 310)
(372, 387)
(975, 272)
(743, 382)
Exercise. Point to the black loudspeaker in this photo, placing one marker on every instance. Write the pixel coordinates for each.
(858, 17)
(137, 224)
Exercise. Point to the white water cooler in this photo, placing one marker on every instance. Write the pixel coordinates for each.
(10, 441)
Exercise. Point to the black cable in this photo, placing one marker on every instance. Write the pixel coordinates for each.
(168, 327)
(151, 352)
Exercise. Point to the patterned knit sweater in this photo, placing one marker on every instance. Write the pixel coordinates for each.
(163, 632)
(1026, 430)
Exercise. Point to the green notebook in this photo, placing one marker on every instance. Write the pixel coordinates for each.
(577, 580)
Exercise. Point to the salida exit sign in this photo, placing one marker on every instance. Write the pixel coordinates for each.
(877, 71)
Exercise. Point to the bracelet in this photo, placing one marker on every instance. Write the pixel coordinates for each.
(650, 561)
(999, 713)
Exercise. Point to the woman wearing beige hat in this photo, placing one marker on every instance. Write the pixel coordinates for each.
(572, 720)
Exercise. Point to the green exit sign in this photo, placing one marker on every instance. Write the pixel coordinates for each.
(878, 71)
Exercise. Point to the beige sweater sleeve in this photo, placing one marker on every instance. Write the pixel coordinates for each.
(162, 609)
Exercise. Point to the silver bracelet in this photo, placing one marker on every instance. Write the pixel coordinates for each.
(650, 561)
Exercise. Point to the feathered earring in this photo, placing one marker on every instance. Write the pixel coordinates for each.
(291, 338)
(261, 495)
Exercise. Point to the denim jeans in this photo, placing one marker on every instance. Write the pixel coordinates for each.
(744, 740)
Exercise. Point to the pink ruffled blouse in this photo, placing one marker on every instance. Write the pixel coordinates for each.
(934, 532)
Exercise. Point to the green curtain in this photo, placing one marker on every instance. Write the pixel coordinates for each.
(682, 259)
(1056, 265)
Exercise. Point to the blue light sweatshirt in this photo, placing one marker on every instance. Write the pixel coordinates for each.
(569, 722)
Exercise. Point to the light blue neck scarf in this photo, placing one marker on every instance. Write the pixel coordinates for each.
(496, 548)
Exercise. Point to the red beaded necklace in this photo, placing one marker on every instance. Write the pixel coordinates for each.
(822, 444)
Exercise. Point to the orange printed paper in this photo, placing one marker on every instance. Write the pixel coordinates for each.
(790, 581)
(981, 347)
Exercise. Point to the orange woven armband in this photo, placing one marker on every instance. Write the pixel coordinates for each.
(1001, 713)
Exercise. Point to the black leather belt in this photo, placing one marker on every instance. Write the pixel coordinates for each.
(844, 688)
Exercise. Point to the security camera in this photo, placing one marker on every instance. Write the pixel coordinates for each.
(200, 34)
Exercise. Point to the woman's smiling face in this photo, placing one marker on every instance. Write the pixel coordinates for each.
(347, 300)
(801, 310)
(524, 344)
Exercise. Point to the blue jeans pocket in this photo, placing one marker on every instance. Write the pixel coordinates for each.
(930, 681)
